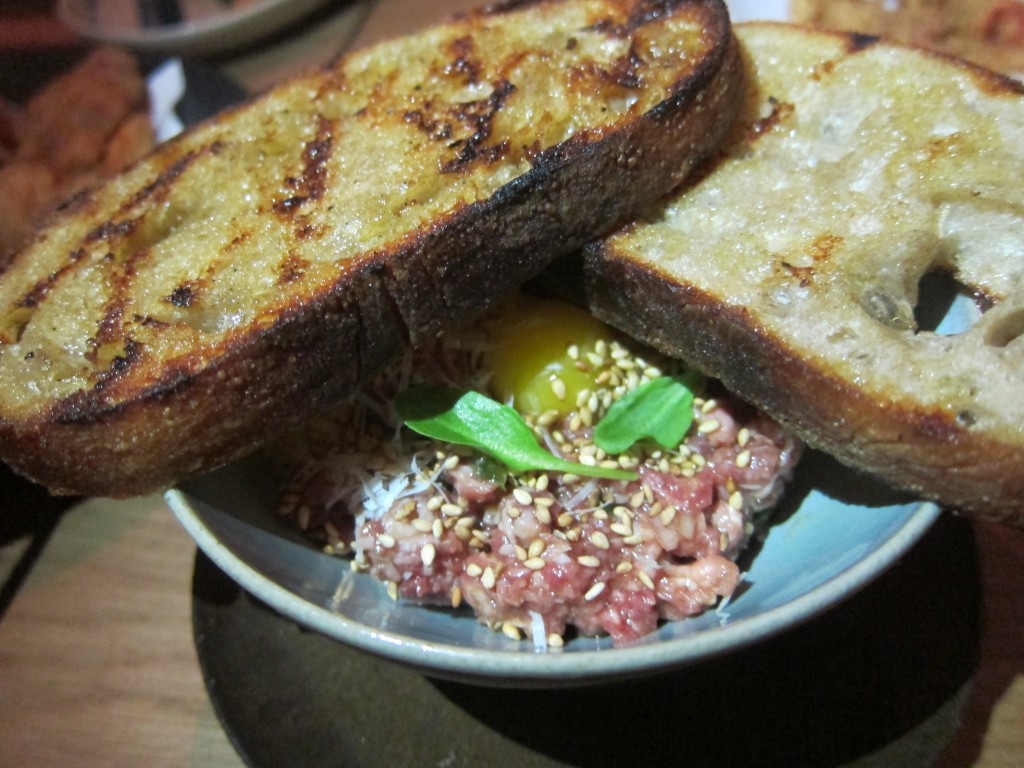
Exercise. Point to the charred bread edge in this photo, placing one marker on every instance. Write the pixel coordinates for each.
(922, 451)
(434, 279)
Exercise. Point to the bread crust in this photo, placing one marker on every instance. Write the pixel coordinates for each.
(793, 328)
(144, 421)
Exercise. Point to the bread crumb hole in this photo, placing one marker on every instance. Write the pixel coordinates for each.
(1006, 329)
(944, 305)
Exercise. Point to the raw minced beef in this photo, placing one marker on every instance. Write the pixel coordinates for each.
(549, 551)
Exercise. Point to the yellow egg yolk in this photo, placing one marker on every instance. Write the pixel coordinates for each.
(539, 354)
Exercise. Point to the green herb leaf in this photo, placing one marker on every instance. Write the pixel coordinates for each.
(661, 409)
(475, 420)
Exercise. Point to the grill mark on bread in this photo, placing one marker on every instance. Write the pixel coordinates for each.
(464, 62)
(42, 288)
(479, 117)
(112, 231)
(310, 184)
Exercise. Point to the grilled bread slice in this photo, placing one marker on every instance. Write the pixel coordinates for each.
(861, 175)
(257, 268)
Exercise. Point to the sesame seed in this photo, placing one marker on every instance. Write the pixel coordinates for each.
(521, 553)
(451, 462)
(743, 437)
(743, 459)
(385, 540)
(588, 561)
(423, 525)
(709, 426)
(558, 388)
(543, 514)
(451, 510)
(488, 579)
(456, 596)
(645, 579)
(709, 406)
(534, 563)
(405, 510)
(511, 632)
(575, 422)
(624, 567)
(573, 351)
(537, 547)
(427, 554)
(622, 529)
(392, 589)
(736, 500)
(599, 540)
(565, 520)
(542, 484)
(633, 540)
(474, 570)
(581, 397)
(437, 528)
(547, 418)
(594, 591)
(522, 495)
(544, 501)
(723, 541)
(668, 514)
(555, 640)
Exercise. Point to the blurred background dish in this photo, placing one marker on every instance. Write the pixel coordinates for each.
(182, 27)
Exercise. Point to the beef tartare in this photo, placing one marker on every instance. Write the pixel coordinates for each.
(617, 529)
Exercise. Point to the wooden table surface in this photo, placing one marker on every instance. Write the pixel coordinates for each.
(98, 664)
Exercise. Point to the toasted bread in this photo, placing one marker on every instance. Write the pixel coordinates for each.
(260, 266)
(791, 268)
